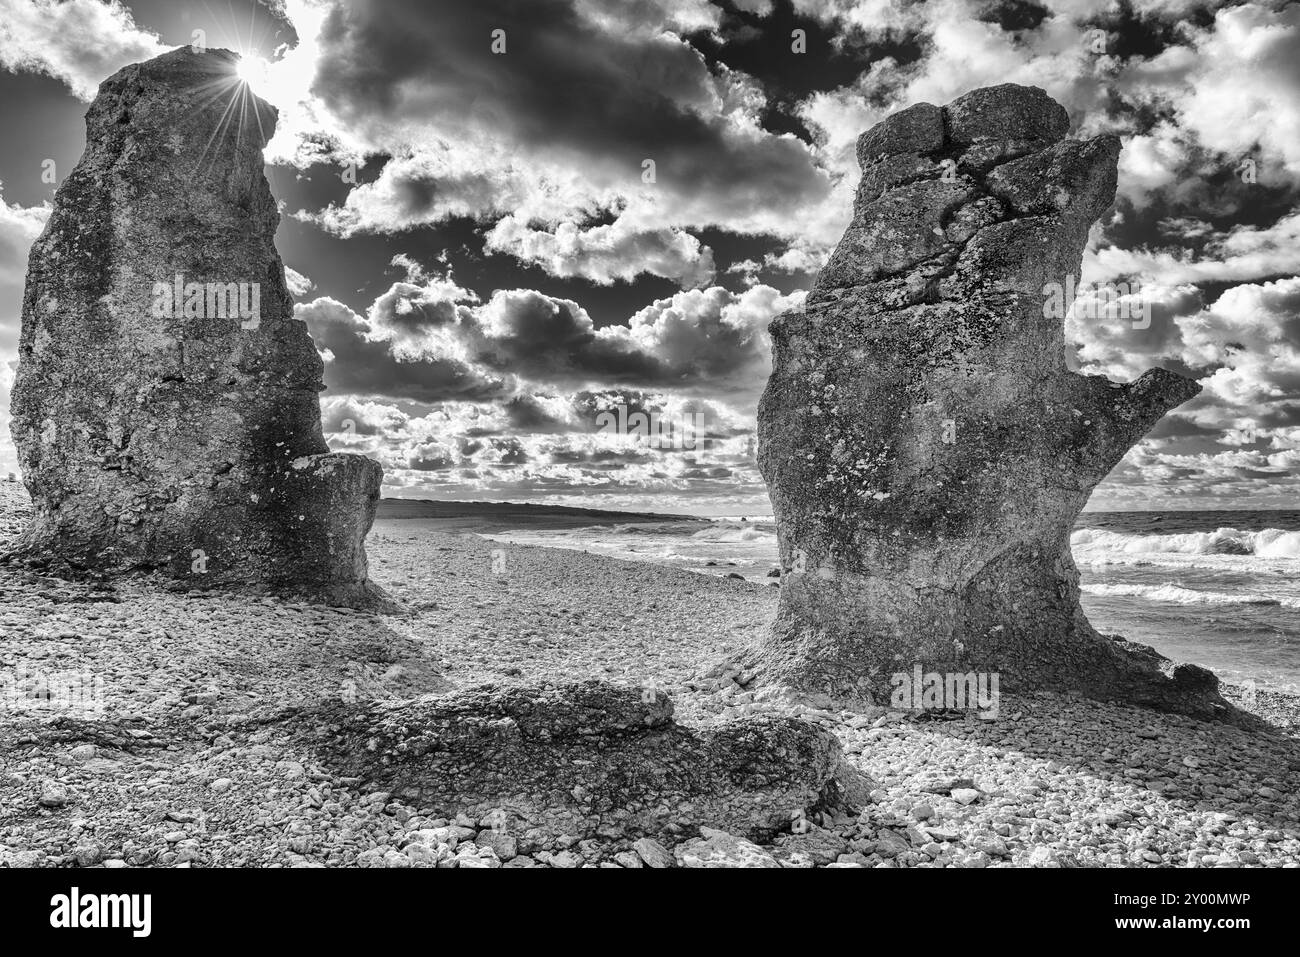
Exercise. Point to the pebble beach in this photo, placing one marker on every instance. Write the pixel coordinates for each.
(181, 762)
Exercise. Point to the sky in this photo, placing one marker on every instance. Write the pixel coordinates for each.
(501, 218)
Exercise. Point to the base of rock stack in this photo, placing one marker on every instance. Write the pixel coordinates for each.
(848, 635)
(1102, 667)
(303, 539)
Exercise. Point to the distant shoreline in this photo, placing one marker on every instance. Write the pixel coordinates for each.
(564, 515)
(482, 516)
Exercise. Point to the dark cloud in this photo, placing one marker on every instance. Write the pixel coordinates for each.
(433, 342)
(566, 88)
(368, 367)
(554, 340)
(525, 414)
(1012, 15)
(427, 463)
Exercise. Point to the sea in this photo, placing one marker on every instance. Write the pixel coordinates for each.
(1219, 588)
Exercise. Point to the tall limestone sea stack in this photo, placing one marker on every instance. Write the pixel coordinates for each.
(926, 448)
(165, 409)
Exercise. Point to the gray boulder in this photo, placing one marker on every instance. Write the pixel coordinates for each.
(588, 759)
(925, 446)
(165, 409)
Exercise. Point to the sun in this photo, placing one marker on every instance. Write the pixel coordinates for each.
(253, 72)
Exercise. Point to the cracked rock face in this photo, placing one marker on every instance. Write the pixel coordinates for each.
(588, 759)
(165, 409)
(925, 446)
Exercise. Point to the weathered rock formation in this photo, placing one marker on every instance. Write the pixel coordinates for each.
(925, 446)
(165, 410)
(588, 759)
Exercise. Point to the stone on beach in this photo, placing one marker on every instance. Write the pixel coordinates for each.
(924, 443)
(715, 848)
(584, 759)
(651, 853)
(165, 409)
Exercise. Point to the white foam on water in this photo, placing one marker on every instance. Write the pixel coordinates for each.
(737, 533)
(1094, 544)
(1185, 596)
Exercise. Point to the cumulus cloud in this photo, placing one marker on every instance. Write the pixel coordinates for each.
(433, 340)
(1250, 336)
(475, 136)
(1238, 436)
(357, 362)
(507, 391)
(620, 251)
(81, 42)
(1231, 86)
(472, 133)
(539, 445)
(875, 18)
(651, 16)
(431, 185)
(299, 285)
(1241, 253)
(19, 227)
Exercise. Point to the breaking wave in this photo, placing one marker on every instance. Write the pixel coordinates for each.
(1185, 596)
(1099, 546)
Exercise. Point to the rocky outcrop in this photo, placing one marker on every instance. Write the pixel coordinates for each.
(587, 759)
(925, 446)
(165, 409)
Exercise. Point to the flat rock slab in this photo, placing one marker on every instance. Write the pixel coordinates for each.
(585, 759)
